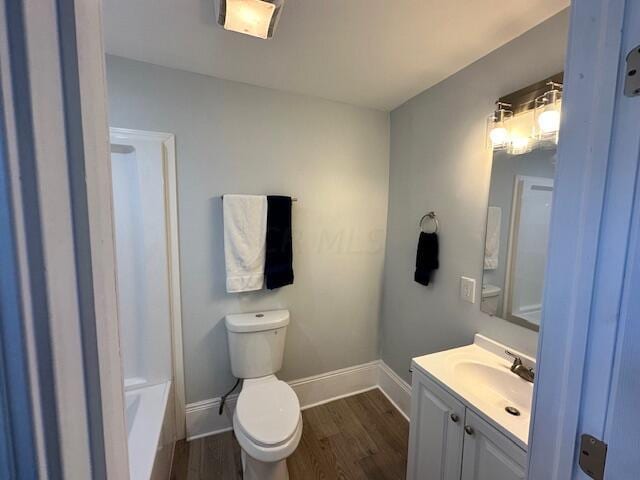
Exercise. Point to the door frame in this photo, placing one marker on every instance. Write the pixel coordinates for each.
(512, 251)
(589, 235)
(169, 167)
(55, 118)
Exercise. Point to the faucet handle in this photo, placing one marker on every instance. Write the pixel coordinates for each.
(516, 358)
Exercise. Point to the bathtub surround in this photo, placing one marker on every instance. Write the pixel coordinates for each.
(141, 223)
(438, 162)
(145, 225)
(233, 137)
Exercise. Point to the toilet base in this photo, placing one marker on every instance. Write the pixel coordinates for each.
(253, 469)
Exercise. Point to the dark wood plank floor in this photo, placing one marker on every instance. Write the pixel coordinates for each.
(361, 437)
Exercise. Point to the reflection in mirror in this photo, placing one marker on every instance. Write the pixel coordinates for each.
(516, 235)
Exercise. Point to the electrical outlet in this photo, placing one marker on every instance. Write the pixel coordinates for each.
(468, 289)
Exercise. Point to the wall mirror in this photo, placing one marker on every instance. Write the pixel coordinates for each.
(520, 198)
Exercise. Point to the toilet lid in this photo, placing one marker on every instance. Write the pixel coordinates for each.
(268, 412)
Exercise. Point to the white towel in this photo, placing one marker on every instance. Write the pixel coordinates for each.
(492, 242)
(245, 233)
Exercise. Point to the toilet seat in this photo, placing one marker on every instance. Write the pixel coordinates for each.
(268, 411)
(267, 419)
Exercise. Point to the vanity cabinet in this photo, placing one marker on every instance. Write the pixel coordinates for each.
(489, 455)
(450, 442)
(436, 432)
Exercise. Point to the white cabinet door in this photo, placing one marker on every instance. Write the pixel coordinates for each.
(436, 432)
(489, 455)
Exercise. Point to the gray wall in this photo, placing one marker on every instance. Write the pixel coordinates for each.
(439, 162)
(236, 138)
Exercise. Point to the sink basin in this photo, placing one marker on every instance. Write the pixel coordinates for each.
(480, 375)
(498, 382)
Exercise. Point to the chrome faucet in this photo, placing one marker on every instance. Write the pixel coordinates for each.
(519, 369)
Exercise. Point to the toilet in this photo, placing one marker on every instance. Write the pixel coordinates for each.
(267, 420)
(490, 299)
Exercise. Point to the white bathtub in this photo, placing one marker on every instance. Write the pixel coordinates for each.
(151, 430)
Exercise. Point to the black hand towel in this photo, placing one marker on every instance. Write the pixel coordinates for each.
(427, 257)
(278, 266)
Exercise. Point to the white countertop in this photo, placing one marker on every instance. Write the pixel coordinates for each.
(479, 376)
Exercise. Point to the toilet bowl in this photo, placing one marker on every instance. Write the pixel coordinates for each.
(267, 420)
(268, 425)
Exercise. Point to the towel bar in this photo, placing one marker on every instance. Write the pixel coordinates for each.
(433, 217)
(293, 199)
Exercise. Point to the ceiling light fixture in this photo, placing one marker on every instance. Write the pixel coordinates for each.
(257, 18)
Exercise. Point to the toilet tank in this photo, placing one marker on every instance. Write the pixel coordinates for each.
(490, 302)
(256, 342)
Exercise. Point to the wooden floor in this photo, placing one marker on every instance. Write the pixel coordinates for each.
(360, 437)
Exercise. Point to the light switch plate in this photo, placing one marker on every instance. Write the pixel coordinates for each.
(468, 289)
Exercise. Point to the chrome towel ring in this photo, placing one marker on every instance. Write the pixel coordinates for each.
(432, 216)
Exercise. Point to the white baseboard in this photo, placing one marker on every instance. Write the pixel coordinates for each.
(395, 389)
(202, 417)
(326, 387)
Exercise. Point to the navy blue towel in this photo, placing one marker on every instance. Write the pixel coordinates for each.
(278, 266)
(427, 257)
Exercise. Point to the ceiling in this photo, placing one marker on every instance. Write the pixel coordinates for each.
(373, 53)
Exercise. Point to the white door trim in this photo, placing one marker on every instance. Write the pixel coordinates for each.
(173, 246)
(55, 145)
(571, 300)
(93, 97)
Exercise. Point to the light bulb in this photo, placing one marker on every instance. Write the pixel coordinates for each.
(248, 15)
(499, 136)
(549, 121)
(252, 17)
(519, 145)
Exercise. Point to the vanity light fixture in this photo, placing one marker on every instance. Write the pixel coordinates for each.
(528, 118)
(497, 133)
(547, 113)
(257, 18)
